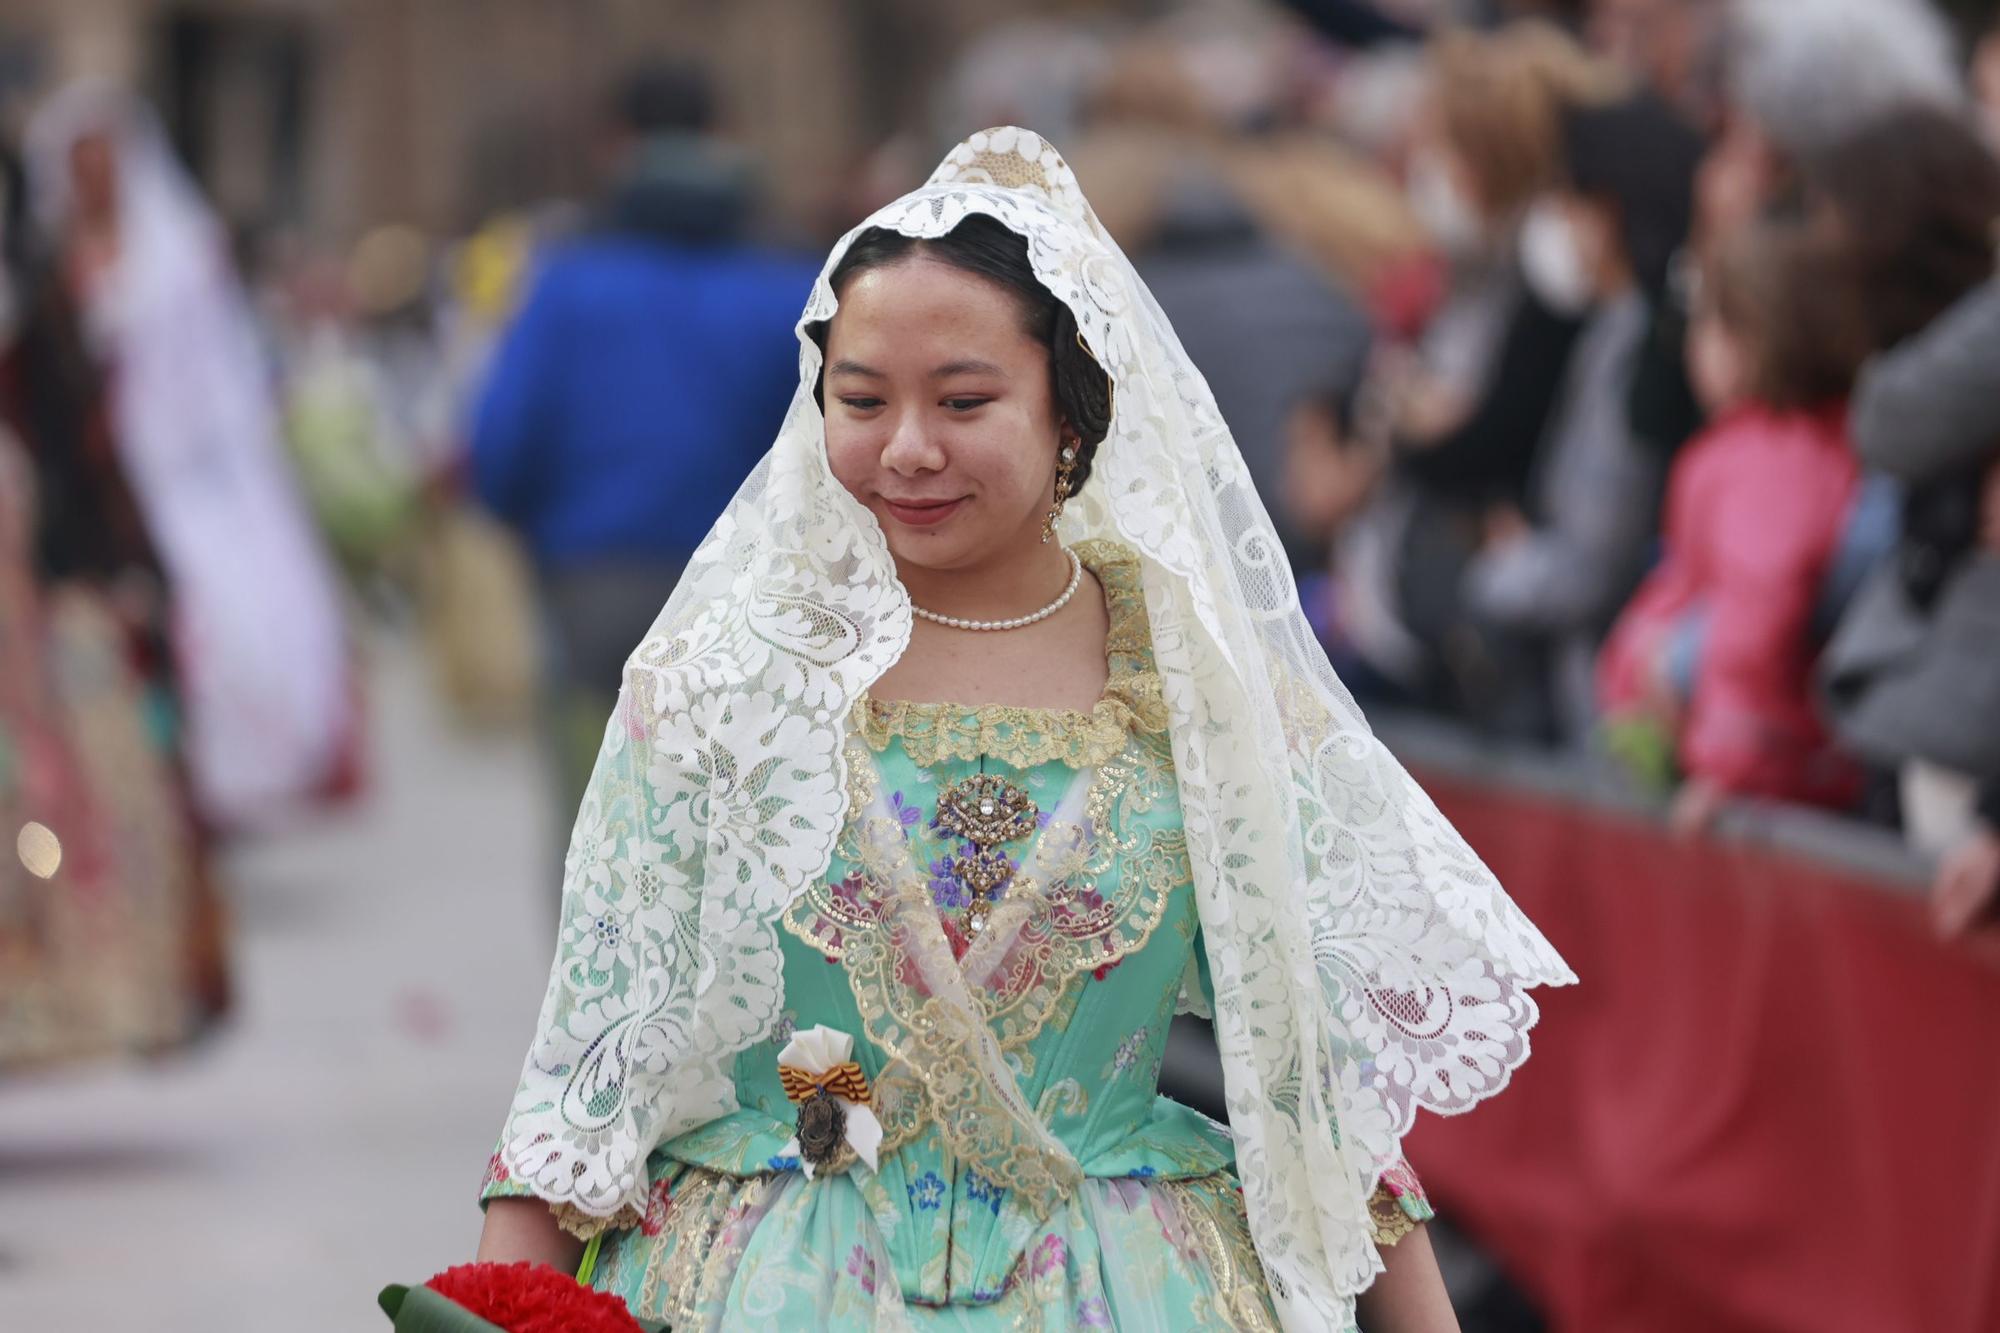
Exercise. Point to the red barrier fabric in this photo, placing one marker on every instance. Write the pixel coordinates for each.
(1772, 1104)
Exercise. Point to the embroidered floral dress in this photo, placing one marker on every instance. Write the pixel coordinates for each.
(1080, 939)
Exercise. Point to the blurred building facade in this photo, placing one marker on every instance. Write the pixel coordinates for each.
(337, 115)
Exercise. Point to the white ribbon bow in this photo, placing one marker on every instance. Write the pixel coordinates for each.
(816, 1050)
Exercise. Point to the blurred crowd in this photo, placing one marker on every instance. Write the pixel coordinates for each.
(1622, 374)
(1623, 377)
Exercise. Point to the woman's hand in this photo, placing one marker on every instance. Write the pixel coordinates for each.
(1967, 883)
(1696, 807)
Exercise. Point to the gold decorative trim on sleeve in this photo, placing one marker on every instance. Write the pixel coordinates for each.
(1390, 1221)
(585, 1227)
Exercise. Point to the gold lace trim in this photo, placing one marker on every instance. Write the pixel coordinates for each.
(1133, 699)
(1052, 941)
(1222, 1234)
(1056, 943)
(687, 1264)
(586, 1227)
(1107, 895)
(889, 942)
(1390, 1221)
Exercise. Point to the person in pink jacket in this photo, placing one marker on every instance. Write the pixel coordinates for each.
(1714, 653)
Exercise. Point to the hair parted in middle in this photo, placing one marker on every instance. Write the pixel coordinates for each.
(987, 248)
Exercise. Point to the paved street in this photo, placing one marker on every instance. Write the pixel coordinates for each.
(331, 1137)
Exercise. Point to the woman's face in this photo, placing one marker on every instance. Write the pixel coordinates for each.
(93, 169)
(940, 416)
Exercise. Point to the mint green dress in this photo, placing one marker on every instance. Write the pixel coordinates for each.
(1079, 981)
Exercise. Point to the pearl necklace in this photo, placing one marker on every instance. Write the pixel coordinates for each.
(953, 622)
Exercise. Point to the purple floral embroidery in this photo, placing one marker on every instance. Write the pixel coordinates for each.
(861, 1265)
(1093, 1313)
(907, 815)
(1051, 1256)
(948, 886)
(1128, 1052)
(947, 889)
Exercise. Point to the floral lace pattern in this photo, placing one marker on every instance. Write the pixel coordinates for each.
(1365, 963)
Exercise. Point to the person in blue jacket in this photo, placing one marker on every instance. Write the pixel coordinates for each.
(647, 370)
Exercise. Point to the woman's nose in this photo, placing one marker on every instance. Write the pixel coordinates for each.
(911, 448)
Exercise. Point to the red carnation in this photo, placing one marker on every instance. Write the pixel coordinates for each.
(533, 1298)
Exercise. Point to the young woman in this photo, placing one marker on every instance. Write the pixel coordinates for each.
(984, 734)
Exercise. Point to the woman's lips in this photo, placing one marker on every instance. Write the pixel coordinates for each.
(921, 513)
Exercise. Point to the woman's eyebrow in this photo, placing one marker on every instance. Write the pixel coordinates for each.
(967, 367)
(964, 366)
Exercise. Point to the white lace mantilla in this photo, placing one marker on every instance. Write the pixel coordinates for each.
(1365, 962)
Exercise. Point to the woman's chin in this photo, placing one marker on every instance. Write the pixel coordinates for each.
(925, 550)
(940, 551)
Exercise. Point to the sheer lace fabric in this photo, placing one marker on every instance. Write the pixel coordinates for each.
(1364, 962)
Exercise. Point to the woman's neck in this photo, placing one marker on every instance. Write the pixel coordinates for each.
(1018, 583)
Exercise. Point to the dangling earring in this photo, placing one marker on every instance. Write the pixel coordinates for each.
(1065, 468)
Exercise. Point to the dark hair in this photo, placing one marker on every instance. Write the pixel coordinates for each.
(1915, 195)
(1641, 156)
(985, 247)
(664, 96)
(16, 227)
(1783, 289)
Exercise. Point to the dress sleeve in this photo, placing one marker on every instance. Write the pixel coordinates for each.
(499, 1183)
(1399, 1204)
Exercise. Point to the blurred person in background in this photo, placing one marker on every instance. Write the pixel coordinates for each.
(1802, 75)
(1986, 77)
(1913, 677)
(1261, 288)
(641, 379)
(1358, 23)
(1672, 46)
(1467, 410)
(365, 408)
(1776, 81)
(1707, 672)
(1676, 48)
(111, 936)
(258, 636)
(1549, 577)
